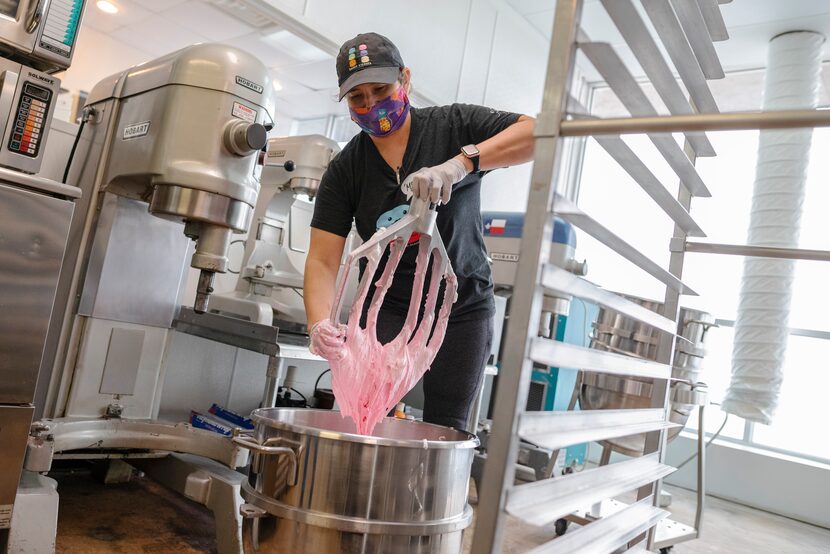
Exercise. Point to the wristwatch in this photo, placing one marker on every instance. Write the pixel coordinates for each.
(471, 153)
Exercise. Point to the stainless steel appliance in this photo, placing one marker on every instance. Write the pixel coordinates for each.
(614, 332)
(35, 215)
(184, 134)
(37, 37)
(27, 102)
(40, 33)
(314, 486)
(169, 152)
(271, 278)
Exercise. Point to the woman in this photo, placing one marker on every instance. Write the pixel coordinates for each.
(439, 153)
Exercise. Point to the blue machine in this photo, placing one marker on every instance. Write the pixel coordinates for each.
(564, 320)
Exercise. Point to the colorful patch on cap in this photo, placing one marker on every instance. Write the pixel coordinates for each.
(364, 59)
(362, 47)
(352, 50)
(352, 63)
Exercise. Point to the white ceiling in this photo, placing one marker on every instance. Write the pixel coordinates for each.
(157, 27)
(751, 25)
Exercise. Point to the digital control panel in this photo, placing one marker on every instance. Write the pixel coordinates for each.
(60, 26)
(28, 131)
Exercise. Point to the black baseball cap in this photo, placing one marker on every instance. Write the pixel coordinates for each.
(367, 58)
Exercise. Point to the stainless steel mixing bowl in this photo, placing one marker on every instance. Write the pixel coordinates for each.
(317, 487)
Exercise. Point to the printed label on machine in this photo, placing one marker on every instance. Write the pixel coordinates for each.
(5, 516)
(244, 112)
(136, 130)
(504, 257)
(248, 84)
(32, 110)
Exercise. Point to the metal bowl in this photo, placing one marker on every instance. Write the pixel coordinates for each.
(316, 486)
(617, 333)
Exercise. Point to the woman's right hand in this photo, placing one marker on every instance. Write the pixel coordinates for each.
(328, 340)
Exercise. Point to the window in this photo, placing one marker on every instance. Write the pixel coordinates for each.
(609, 195)
(800, 424)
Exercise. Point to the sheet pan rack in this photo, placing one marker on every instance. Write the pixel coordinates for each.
(686, 29)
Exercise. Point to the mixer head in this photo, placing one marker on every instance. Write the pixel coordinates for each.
(298, 162)
(189, 128)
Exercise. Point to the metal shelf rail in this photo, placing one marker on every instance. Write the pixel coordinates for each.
(544, 501)
(686, 28)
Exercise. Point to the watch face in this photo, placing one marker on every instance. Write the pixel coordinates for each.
(470, 150)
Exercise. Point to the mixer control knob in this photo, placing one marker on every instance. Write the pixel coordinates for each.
(243, 138)
(578, 268)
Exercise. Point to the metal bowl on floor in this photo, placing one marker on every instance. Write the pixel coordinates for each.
(315, 486)
(614, 332)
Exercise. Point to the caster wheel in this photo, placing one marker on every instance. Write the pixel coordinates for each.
(561, 527)
(666, 550)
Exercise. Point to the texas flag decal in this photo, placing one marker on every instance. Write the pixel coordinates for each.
(496, 226)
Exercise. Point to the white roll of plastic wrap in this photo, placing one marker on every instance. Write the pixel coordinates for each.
(762, 323)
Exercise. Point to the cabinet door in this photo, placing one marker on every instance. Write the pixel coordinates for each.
(33, 233)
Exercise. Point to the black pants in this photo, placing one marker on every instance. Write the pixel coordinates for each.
(452, 382)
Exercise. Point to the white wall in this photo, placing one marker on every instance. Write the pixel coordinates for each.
(430, 36)
(515, 82)
(97, 56)
(785, 485)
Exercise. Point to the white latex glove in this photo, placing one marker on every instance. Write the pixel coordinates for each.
(327, 340)
(434, 183)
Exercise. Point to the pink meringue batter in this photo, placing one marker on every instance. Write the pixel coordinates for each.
(370, 378)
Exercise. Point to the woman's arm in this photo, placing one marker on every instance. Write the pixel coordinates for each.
(322, 264)
(512, 146)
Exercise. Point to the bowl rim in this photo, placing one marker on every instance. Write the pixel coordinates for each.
(261, 418)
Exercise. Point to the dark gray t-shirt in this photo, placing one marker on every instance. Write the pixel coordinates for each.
(359, 185)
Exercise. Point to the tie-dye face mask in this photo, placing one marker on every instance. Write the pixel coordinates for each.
(384, 117)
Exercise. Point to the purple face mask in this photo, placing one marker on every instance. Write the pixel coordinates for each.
(384, 117)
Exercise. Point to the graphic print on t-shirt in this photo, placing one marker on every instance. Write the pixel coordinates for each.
(395, 214)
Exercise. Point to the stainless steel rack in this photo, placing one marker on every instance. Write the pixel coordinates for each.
(686, 29)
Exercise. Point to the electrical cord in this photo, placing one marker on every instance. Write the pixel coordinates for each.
(88, 113)
(301, 395)
(284, 398)
(711, 439)
(317, 382)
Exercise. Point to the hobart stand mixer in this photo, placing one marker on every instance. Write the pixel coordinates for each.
(270, 282)
(167, 150)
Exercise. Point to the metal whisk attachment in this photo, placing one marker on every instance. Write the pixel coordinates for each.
(371, 378)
